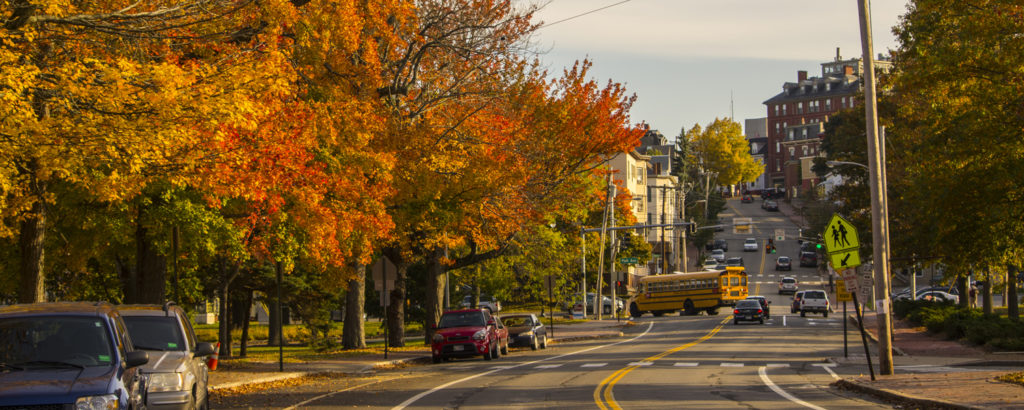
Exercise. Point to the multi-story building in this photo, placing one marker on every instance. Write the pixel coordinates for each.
(796, 117)
(756, 132)
(630, 170)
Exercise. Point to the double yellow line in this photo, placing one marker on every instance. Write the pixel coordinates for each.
(603, 393)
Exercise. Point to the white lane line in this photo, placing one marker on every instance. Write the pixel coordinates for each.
(732, 364)
(324, 396)
(641, 363)
(828, 367)
(501, 367)
(421, 395)
(594, 365)
(548, 366)
(768, 382)
(687, 364)
(778, 364)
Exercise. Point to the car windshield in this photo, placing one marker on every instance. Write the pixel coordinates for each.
(815, 295)
(461, 319)
(517, 321)
(748, 304)
(155, 333)
(788, 280)
(784, 259)
(751, 240)
(55, 341)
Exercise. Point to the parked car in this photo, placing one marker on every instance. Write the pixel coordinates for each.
(465, 333)
(734, 261)
(747, 310)
(718, 255)
(814, 301)
(750, 245)
(606, 303)
(717, 244)
(68, 355)
(783, 263)
(711, 264)
(764, 305)
(788, 285)
(795, 306)
(936, 294)
(486, 302)
(525, 329)
(176, 375)
(771, 206)
(503, 335)
(808, 259)
(747, 199)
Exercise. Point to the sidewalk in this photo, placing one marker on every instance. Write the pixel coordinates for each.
(234, 374)
(974, 388)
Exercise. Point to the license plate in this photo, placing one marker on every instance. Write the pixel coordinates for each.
(750, 317)
(457, 348)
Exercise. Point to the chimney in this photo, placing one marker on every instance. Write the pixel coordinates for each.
(801, 75)
(847, 70)
(838, 57)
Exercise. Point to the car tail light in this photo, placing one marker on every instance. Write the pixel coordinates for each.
(760, 311)
(736, 311)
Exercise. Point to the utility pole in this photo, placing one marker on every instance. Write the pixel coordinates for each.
(664, 261)
(879, 207)
(600, 255)
(681, 207)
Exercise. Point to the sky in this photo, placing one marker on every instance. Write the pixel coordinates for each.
(691, 61)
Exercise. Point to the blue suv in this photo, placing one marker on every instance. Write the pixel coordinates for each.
(68, 355)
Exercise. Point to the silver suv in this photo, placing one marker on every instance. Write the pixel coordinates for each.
(176, 375)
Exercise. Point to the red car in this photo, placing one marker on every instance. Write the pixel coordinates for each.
(467, 333)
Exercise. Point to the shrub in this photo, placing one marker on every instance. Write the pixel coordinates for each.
(993, 331)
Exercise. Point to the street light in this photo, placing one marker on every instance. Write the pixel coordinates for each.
(833, 164)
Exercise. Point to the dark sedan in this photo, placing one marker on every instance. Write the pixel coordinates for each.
(525, 329)
(748, 310)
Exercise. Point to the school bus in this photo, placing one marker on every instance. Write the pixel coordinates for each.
(689, 293)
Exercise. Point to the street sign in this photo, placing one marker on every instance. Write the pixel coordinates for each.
(840, 235)
(384, 273)
(845, 259)
(842, 294)
(629, 260)
(852, 280)
(780, 234)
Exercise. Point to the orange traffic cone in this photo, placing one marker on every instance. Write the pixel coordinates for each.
(211, 361)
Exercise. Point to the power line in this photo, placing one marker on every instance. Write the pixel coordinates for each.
(586, 13)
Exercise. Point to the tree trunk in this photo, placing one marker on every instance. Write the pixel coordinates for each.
(961, 286)
(435, 293)
(396, 309)
(151, 267)
(353, 335)
(225, 313)
(33, 277)
(986, 294)
(1012, 310)
(275, 329)
(242, 351)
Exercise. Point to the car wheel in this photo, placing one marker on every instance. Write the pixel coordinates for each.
(488, 354)
(762, 321)
(544, 342)
(825, 313)
(803, 314)
(436, 359)
(688, 308)
(533, 343)
(504, 348)
(735, 321)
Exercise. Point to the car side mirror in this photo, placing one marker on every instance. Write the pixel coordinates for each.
(204, 349)
(136, 358)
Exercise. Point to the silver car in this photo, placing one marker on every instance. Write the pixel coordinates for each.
(176, 375)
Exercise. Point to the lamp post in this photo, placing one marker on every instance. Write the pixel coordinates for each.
(834, 164)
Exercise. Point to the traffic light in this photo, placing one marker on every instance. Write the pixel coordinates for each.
(773, 248)
(626, 242)
(817, 246)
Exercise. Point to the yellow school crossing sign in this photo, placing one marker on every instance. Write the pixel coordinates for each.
(841, 243)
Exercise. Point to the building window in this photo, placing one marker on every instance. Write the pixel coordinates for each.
(778, 146)
(828, 105)
(792, 152)
(805, 150)
(777, 126)
(804, 133)
(783, 109)
(844, 102)
(790, 135)
(800, 107)
(776, 110)
(778, 165)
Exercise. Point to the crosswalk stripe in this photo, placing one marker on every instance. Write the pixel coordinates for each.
(548, 366)
(732, 364)
(594, 365)
(641, 363)
(778, 364)
(686, 364)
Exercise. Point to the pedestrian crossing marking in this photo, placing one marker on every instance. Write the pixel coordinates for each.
(732, 364)
(686, 364)
(595, 365)
(641, 363)
(548, 366)
(778, 364)
(502, 367)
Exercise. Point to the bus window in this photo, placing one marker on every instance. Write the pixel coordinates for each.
(735, 281)
(744, 281)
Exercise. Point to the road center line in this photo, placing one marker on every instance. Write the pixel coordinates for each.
(413, 399)
(768, 382)
(603, 393)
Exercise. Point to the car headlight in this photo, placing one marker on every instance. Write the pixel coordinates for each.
(106, 401)
(159, 382)
(438, 338)
(527, 333)
(480, 335)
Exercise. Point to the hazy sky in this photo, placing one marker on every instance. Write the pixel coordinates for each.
(683, 58)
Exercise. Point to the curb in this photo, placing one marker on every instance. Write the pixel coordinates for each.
(261, 380)
(900, 398)
(872, 337)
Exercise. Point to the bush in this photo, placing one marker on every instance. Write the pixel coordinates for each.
(954, 322)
